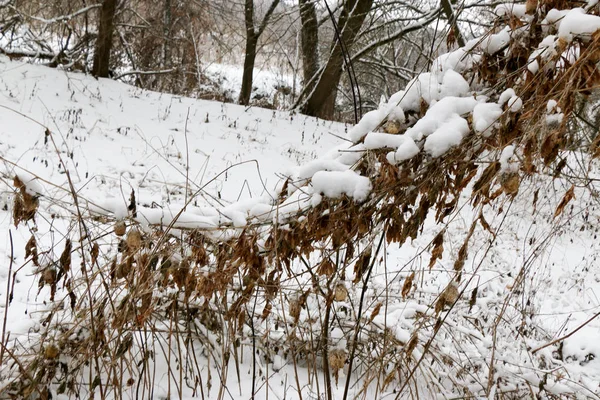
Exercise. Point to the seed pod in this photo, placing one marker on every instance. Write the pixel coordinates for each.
(120, 228)
(51, 352)
(134, 240)
(341, 293)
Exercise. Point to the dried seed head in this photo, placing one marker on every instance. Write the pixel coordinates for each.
(392, 127)
(337, 359)
(134, 240)
(294, 310)
(341, 293)
(51, 352)
(451, 293)
(120, 228)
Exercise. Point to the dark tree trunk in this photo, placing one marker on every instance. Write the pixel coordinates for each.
(247, 77)
(309, 41)
(104, 42)
(167, 32)
(252, 36)
(321, 102)
(453, 20)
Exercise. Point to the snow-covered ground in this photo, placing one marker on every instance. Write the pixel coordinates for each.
(115, 138)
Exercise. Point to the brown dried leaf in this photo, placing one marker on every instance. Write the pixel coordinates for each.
(473, 298)
(267, 310)
(31, 250)
(51, 352)
(485, 224)
(134, 240)
(375, 311)
(511, 183)
(407, 285)
(326, 267)
(337, 359)
(94, 253)
(486, 176)
(132, 207)
(25, 204)
(361, 265)
(438, 249)
(65, 257)
(569, 195)
(411, 345)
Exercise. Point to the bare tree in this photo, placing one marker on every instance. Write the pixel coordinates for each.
(252, 36)
(321, 101)
(103, 49)
(309, 40)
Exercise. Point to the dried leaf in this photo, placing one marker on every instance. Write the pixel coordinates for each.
(438, 249)
(411, 345)
(511, 183)
(473, 298)
(132, 207)
(375, 311)
(94, 253)
(569, 195)
(65, 257)
(31, 250)
(486, 176)
(266, 311)
(337, 359)
(326, 267)
(361, 265)
(407, 285)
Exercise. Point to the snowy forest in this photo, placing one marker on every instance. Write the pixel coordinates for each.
(311, 199)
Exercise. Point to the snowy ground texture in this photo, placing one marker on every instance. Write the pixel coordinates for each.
(530, 275)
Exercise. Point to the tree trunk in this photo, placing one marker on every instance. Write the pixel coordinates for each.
(166, 61)
(309, 40)
(104, 41)
(252, 36)
(250, 56)
(247, 77)
(321, 102)
(453, 20)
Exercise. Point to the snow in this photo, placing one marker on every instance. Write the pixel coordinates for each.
(507, 163)
(335, 184)
(407, 150)
(378, 140)
(368, 123)
(513, 101)
(310, 168)
(554, 116)
(485, 116)
(511, 9)
(448, 135)
(545, 50)
(496, 42)
(439, 113)
(577, 23)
